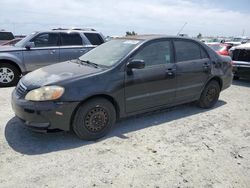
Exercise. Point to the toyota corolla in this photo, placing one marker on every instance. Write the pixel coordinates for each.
(120, 78)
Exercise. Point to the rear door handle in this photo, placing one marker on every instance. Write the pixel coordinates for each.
(170, 73)
(206, 66)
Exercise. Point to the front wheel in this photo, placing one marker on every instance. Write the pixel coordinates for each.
(210, 95)
(94, 119)
(9, 75)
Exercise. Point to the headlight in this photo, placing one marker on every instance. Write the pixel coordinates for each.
(45, 93)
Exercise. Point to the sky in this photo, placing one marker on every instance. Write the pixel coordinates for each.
(114, 17)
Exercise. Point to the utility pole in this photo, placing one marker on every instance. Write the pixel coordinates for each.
(243, 32)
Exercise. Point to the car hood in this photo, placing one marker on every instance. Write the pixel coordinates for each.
(9, 48)
(53, 74)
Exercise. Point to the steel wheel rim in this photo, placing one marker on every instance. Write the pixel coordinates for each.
(211, 94)
(96, 119)
(6, 75)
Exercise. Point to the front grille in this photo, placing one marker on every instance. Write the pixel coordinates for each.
(21, 90)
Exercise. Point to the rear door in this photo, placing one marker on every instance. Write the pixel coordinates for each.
(71, 46)
(44, 52)
(192, 69)
(155, 84)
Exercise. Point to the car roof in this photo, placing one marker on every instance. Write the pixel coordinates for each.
(152, 36)
(67, 31)
(243, 46)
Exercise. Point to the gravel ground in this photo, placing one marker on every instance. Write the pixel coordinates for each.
(181, 147)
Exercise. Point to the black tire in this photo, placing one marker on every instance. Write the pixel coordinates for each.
(94, 119)
(209, 95)
(9, 75)
(236, 77)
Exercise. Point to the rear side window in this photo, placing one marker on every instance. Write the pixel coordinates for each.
(6, 36)
(203, 54)
(94, 38)
(156, 53)
(71, 39)
(46, 40)
(186, 51)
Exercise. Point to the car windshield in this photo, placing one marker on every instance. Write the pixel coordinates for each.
(109, 53)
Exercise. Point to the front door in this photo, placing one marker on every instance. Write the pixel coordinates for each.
(153, 85)
(44, 52)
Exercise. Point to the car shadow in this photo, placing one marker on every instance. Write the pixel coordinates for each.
(25, 141)
(242, 82)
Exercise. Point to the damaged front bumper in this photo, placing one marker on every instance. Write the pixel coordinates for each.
(47, 115)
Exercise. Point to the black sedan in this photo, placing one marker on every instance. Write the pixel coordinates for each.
(123, 77)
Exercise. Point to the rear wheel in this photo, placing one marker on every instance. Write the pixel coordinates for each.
(210, 95)
(9, 75)
(236, 77)
(94, 119)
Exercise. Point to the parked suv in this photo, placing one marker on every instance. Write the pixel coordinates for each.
(5, 36)
(44, 48)
(122, 77)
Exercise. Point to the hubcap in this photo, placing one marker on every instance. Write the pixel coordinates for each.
(211, 94)
(96, 119)
(6, 75)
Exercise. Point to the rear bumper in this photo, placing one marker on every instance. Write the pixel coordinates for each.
(43, 115)
(241, 69)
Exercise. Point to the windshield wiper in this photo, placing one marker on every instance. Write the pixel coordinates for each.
(89, 63)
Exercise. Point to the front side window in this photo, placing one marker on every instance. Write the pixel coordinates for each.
(156, 53)
(46, 40)
(71, 39)
(187, 51)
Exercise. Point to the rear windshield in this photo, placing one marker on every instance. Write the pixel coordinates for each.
(215, 47)
(6, 36)
(241, 55)
(94, 38)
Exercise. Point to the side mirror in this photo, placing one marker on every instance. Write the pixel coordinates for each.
(29, 45)
(136, 64)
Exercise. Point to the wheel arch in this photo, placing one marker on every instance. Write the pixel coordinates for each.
(218, 79)
(105, 96)
(12, 63)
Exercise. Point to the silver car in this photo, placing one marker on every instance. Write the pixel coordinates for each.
(44, 48)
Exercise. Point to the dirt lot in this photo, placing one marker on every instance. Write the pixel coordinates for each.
(182, 147)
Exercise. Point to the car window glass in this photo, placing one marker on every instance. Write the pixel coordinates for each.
(186, 51)
(70, 39)
(156, 53)
(46, 40)
(6, 36)
(244, 55)
(94, 38)
(203, 54)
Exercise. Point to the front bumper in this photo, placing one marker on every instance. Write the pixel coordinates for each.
(43, 115)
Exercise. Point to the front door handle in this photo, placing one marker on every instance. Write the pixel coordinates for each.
(52, 51)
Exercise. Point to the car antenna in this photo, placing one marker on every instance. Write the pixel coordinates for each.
(182, 28)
